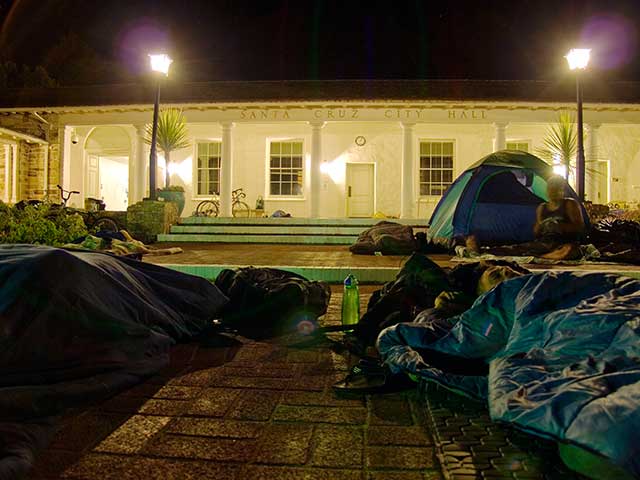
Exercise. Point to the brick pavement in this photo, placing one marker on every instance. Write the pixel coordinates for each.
(256, 410)
(265, 410)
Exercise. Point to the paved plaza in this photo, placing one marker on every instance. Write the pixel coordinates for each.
(235, 408)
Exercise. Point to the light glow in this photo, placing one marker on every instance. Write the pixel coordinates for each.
(578, 58)
(160, 62)
(182, 170)
(335, 170)
(560, 170)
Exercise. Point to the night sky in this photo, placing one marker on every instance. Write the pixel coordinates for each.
(88, 41)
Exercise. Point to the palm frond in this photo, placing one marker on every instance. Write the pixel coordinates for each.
(172, 135)
(561, 141)
(172, 131)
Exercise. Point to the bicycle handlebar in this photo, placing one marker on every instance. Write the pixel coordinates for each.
(65, 198)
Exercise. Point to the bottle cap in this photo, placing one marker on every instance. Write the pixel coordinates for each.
(350, 280)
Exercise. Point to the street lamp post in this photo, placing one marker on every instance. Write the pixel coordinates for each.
(159, 63)
(578, 59)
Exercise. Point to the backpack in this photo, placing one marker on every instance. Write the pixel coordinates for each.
(267, 302)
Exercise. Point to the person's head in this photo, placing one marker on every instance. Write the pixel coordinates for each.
(493, 275)
(556, 188)
(478, 277)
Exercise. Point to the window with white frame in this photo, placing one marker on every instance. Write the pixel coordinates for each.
(436, 167)
(285, 168)
(518, 145)
(208, 168)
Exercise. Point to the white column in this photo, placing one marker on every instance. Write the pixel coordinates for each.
(65, 157)
(315, 174)
(501, 136)
(14, 173)
(140, 163)
(406, 184)
(226, 169)
(591, 167)
(46, 170)
(7, 173)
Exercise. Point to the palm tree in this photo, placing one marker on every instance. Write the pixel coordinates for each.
(561, 142)
(172, 135)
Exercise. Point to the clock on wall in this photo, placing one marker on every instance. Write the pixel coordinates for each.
(360, 140)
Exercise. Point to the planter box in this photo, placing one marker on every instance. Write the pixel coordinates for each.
(148, 218)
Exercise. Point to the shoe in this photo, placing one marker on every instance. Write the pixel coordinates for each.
(368, 376)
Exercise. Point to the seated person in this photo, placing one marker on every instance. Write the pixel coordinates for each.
(558, 228)
(468, 282)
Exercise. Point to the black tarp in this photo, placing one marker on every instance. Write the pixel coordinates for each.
(79, 326)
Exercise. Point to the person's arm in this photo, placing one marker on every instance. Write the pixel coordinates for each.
(574, 213)
(536, 226)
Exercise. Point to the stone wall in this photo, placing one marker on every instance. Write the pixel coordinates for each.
(27, 123)
(31, 156)
(147, 219)
(33, 189)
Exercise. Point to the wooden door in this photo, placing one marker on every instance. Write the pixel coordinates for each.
(360, 189)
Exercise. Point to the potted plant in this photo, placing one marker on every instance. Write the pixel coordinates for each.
(172, 135)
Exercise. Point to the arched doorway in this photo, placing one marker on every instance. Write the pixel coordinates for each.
(107, 159)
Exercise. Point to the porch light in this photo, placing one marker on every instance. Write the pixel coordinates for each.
(578, 58)
(160, 63)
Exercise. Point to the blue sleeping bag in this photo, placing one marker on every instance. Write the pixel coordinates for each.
(563, 351)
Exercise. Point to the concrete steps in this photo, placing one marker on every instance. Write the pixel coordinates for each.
(327, 231)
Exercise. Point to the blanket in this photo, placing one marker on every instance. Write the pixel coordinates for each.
(563, 351)
(79, 326)
(388, 238)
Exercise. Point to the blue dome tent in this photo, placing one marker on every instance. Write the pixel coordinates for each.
(495, 199)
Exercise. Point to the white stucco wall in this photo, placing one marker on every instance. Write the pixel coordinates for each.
(473, 137)
(620, 145)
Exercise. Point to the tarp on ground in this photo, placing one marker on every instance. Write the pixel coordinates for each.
(79, 326)
(495, 199)
(563, 351)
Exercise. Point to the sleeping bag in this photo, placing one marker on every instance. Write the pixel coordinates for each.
(79, 326)
(563, 356)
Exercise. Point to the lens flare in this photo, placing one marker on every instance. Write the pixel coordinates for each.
(613, 40)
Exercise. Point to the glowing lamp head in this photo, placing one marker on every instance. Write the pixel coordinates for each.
(160, 63)
(578, 58)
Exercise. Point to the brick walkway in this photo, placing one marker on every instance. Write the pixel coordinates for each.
(265, 410)
(257, 410)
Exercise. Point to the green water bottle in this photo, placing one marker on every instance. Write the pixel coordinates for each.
(350, 301)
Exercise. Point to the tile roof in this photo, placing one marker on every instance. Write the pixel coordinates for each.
(324, 91)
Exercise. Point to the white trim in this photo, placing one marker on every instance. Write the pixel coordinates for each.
(46, 171)
(455, 174)
(267, 177)
(7, 172)
(194, 169)
(22, 136)
(14, 172)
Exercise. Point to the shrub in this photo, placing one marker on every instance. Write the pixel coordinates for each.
(38, 224)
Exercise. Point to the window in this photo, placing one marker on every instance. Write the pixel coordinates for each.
(208, 168)
(436, 167)
(285, 168)
(518, 145)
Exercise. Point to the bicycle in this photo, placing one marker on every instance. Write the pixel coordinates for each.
(94, 221)
(211, 208)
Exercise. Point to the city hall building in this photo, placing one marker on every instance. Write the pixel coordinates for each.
(329, 149)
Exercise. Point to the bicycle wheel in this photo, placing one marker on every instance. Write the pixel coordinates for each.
(207, 208)
(240, 209)
(105, 224)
